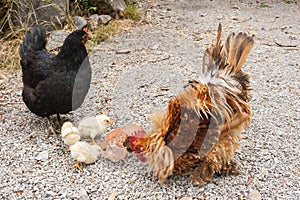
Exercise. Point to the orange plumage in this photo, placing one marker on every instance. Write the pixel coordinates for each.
(201, 127)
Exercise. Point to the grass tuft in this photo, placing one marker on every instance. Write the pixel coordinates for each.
(105, 32)
(264, 5)
(9, 48)
(292, 1)
(9, 54)
(132, 12)
(11, 37)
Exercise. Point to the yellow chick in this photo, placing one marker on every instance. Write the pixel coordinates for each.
(93, 126)
(84, 152)
(69, 134)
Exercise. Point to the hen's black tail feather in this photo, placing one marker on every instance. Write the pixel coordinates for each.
(35, 39)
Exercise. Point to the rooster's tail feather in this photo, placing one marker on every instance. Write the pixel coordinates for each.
(229, 57)
(237, 48)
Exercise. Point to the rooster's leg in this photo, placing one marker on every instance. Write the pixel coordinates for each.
(230, 168)
(203, 174)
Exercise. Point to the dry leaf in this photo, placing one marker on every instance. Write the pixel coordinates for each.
(186, 198)
(3, 79)
(112, 196)
(250, 180)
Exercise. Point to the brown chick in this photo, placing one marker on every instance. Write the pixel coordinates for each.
(201, 127)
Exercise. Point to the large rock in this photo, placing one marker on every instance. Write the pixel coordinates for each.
(79, 22)
(96, 19)
(109, 7)
(56, 39)
(51, 13)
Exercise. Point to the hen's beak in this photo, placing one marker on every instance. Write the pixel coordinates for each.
(86, 36)
(110, 122)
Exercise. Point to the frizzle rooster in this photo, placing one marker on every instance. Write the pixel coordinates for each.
(54, 84)
(201, 127)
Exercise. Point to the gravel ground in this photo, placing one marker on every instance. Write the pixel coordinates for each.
(165, 50)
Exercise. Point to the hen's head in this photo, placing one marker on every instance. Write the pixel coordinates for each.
(135, 146)
(86, 35)
(78, 36)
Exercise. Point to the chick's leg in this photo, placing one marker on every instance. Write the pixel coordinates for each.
(77, 165)
(93, 140)
(67, 149)
(93, 134)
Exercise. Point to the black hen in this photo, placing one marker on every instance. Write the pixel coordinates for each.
(54, 84)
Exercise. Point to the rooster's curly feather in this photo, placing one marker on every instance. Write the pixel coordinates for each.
(201, 127)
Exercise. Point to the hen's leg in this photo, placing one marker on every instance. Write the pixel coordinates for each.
(51, 129)
(58, 122)
(58, 119)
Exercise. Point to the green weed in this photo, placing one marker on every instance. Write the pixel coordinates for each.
(131, 11)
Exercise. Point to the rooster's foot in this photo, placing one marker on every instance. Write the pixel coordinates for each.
(230, 168)
(202, 175)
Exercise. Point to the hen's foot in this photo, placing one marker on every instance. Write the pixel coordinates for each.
(202, 175)
(51, 129)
